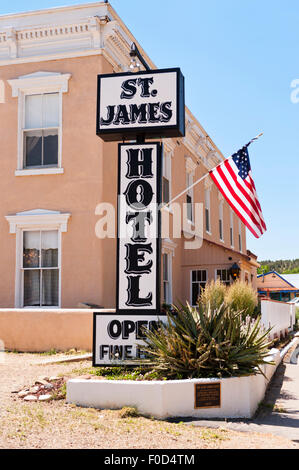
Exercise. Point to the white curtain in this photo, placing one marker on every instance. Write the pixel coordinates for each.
(42, 111)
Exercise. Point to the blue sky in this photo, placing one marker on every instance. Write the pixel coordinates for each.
(238, 59)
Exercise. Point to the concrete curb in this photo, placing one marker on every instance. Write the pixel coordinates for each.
(294, 342)
(78, 358)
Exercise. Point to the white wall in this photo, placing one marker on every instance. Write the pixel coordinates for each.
(279, 315)
(240, 396)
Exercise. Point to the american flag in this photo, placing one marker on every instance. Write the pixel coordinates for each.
(233, 178)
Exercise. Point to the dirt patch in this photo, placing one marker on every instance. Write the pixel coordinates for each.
(55, 424)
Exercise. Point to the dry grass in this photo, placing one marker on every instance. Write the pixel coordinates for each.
(56, 424)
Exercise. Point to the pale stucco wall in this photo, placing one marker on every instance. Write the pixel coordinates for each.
(90, 177)
(41, 330)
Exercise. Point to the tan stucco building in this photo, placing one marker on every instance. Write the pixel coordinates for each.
(56, 171)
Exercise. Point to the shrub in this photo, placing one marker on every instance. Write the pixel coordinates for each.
(128, 412)
(213, 295)
(206, 343)
(241, 297)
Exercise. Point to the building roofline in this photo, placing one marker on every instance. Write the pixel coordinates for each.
(54, 9)
(274, 272)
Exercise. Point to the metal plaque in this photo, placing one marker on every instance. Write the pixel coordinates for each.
(207, 395)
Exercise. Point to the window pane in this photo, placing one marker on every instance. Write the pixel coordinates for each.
(49, 249)
(165, 292)
(220, 229)
(165, 267)
(195, 293)
(51, 110)
(50, 147)
(33, 112)
(32, 288)
(189, 207)
(165, 190)
(204, 276)
(33, 148)
(50, 279)
(31, 249)
(207, 220)
(193, 276)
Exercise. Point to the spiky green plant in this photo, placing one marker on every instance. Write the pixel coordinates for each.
(207, 343)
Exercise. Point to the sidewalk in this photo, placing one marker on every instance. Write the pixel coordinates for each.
(279, 414)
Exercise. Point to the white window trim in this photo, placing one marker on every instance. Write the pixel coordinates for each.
(168, 176)
(190, 171)
(208, 206)
(168, 248)
(38, 219)
(240, 241)
(38, 83)
(231, 226)
(221, 217)
(222, 269)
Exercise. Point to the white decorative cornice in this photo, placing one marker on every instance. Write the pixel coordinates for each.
(190, 165)
(168, 246)
(85, 30)
(197, 141)
(208, 184)
(37, 218)
(169, 146)
(117, 45)
(37, 80)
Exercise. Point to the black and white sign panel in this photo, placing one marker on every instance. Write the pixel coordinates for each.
(117, 338)
(150, 103)
(138, 247)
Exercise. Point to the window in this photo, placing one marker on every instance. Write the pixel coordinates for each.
(40, 268)
(41, 131)
(285, 296)
(207, 210)
(223, 276)
(221, 221)
(231, 229)
(39, 122)
(198, 283)
(38, 256)
(189, 196)
(275, 295)
(167, 278)
(166, 181)
(240, 236)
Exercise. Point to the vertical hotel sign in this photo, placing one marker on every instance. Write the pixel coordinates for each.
(138, 247)
(136, 106)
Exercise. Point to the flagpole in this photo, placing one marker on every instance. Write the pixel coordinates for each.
(185, 190)
(205, 176)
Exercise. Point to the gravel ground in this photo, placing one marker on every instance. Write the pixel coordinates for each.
(58, 425)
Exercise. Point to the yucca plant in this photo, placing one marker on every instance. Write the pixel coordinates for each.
(206, 343)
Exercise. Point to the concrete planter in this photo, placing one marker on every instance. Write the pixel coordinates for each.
(240, 396)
